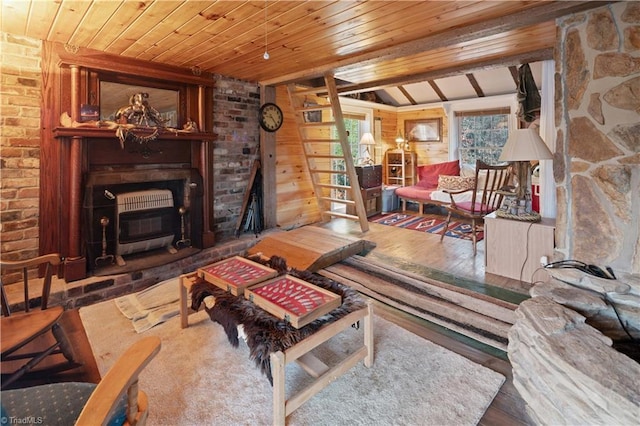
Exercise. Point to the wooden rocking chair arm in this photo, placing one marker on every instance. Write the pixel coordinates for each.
(50, 260)
(120, 379)
(53, 258)
(456, 191)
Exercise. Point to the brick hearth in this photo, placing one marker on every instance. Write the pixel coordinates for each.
(95, 289)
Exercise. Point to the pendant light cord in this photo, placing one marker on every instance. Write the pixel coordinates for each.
(266, 44)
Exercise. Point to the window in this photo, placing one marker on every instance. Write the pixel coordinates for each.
(353, 124)
(482, 135)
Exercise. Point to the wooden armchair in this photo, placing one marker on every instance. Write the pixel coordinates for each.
(115, 400)
(485, 199)
(18, 355)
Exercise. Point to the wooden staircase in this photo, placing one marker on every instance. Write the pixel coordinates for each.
(321, 128)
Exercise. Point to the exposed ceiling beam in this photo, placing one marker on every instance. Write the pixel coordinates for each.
(539, 55)
(543, 13)
(436, 89)
(475, 85)
(407, 95)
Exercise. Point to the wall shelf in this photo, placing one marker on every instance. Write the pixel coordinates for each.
(400, 167)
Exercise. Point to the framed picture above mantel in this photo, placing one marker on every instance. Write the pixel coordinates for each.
(423, 130)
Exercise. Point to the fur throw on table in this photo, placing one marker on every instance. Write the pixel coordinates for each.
(266, 333)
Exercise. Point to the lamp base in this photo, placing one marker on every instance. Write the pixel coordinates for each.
(522, 171)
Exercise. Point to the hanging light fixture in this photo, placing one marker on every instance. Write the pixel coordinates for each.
(266, 50)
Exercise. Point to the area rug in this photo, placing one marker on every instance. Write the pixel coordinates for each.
(432, 224)
(199, 378)
(151, 306)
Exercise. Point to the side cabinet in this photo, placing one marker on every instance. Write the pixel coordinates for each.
(513, 248)
(370, 182)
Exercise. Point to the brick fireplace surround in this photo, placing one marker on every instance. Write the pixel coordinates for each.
(37, 199)
(97, 288)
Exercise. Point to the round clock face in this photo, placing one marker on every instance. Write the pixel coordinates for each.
(270, 117)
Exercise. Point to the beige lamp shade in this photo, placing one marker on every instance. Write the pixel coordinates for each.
(525, 145)
(367, 139)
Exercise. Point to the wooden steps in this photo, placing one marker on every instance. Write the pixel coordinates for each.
(310, 247)
(327, 151)
(475, 315)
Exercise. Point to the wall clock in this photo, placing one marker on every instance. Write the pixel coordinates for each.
(270, 117)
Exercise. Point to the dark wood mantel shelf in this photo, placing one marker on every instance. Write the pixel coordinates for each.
(104, 132)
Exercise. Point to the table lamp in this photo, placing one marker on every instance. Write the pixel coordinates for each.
(400, 141)
(523, 146)
(367, 140)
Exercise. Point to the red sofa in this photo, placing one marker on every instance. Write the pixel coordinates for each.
(427, 191)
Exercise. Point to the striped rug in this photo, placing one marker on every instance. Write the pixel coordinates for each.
(432, 224)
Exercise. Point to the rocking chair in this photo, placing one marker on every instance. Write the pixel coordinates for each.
(19, 330)
(485, 199)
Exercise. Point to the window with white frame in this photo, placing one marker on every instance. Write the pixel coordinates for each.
(354, 125)
(482, 134)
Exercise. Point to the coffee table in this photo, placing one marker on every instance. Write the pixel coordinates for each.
(301, 354)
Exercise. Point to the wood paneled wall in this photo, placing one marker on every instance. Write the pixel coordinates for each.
(428, 152)
(296, 202)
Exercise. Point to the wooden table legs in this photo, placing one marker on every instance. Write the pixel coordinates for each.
(324, 375)
(301, 353)
(185, 282)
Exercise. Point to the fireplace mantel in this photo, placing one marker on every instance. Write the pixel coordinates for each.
(86, 151)
(69, 154)
(97, 132)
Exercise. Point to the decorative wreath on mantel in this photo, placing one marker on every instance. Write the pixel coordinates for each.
(138, 115)
(141, 114)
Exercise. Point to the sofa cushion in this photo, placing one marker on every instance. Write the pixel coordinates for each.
(428, 174)
(414, 192)
(477, 207)
(456, 183)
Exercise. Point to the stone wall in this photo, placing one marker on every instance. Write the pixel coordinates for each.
(235, 122)
(596, 165)
(20, 92)
(567, 372)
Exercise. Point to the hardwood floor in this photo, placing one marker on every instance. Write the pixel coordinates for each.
(454, 256)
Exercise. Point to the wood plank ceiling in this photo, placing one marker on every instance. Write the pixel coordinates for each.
(367, 45)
